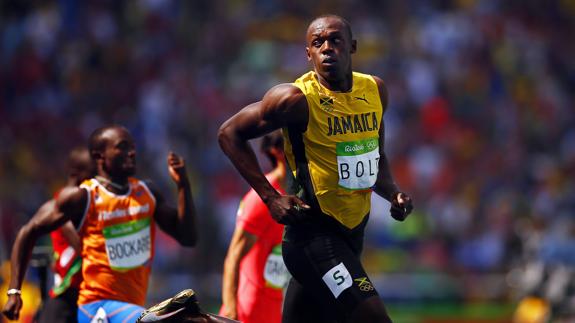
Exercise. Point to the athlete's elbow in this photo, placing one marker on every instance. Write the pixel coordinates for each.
(28, 232)
(227, 134)
(30, 229)
(224, 134)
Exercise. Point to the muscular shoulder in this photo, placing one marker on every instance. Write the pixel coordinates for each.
(284, 96)
(72, 199)
(70, 194)
(382, 91)
(287, 102)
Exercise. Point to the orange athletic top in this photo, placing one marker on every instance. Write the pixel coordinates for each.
(117, 243)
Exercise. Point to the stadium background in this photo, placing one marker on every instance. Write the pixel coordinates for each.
(480, 127)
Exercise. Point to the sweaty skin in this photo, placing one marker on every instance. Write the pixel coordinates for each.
(329, 50)
(329, 46)
(115, 159)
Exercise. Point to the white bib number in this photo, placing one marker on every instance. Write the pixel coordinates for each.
(337, 279)
(357, 163)
(276, 274)
(128, 245)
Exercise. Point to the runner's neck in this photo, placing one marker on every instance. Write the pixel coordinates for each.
(113, 186)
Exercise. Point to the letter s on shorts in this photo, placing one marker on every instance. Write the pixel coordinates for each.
(337, 279)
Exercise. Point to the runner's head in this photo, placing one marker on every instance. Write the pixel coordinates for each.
(329, 45)
(272, 146)
(80, 165)
(112, 149)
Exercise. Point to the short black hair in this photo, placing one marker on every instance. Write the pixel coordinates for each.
(96, 143)
(344, 21)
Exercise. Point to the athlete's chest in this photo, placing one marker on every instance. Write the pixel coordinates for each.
(112, 209)
(123, 225)
(344, 116)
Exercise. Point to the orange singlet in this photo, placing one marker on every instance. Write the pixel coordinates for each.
(117, 243)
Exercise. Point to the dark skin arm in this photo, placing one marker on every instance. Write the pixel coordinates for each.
(179, 223)
(69, 205)
(282, 106)
(401, 203)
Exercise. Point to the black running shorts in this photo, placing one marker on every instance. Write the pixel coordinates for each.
(328, 279)
(60, 309)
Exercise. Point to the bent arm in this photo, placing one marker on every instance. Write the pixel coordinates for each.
(242, 242)
(69, 205)
(282, 106)
(180, 222)
(384, 185)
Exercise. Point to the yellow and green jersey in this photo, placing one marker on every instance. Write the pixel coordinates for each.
(336, 158)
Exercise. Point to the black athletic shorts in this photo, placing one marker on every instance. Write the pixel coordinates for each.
(328, 279)
(60, 309)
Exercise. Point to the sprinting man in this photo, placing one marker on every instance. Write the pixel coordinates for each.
(254, 272)
(115, 214)
(67, 264)
(332, 121)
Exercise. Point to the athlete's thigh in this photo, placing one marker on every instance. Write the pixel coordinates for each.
(301, 307)
(331, 272)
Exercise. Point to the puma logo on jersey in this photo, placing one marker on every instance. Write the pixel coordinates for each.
(361, 98)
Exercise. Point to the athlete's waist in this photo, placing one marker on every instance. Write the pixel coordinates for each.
(317, 223)
(128, 286)
(88, 296)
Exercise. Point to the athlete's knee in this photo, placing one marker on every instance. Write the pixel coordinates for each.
(370, 310)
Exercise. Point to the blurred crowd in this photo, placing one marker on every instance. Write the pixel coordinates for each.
(480, 128)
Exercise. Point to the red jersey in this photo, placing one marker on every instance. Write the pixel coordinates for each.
(67, 264)
(263, 274)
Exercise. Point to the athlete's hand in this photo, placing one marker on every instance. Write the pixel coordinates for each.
(177, 168)
(12, 307)
(287, 209)
(401, 206)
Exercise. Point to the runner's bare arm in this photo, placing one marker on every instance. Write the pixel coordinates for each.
(385, 185)
(69, 205)
(282, 106)
(401, 204)
(179, 223)
(242, 242)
